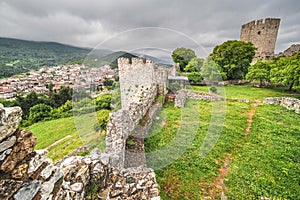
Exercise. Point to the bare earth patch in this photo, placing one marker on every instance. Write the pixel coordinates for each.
(57, 142)
(217, 187)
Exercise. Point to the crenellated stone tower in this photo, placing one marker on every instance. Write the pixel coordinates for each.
(263, 35)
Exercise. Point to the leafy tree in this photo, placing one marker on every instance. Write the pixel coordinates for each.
(211, 71)
(39, 112)
(174, 86)
(27, 102)
(7, 103)
(234, 58)
(195, 77)
(108, 82)
(260, 71)
(102, 118)
(194, 65)
(85, 105)
(286, 70)
(64, 94)
(103, 102)
(183, 56)
(62, 111)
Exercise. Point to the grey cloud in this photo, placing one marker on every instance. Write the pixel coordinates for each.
(89, 22)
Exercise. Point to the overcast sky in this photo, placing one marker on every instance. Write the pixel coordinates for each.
(120, 24)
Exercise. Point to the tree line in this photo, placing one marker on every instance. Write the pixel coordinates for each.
(232, 59)
(38, 107)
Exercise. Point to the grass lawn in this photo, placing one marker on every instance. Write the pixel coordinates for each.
(248, 92)
(63, 135)
(263, 163)
(196, 156)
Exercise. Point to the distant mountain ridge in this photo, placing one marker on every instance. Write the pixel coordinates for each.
(20, 56)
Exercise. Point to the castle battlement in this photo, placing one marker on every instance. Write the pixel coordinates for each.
(262, 34)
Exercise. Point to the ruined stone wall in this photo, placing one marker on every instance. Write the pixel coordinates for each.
(183, 95)
(292, 50)
(27, 174)
(263, 35)
(287, 102)
(140, 83)
(134, 76)
(122, 122)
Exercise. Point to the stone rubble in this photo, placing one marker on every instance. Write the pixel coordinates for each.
(28, 174)
(287, 102)
(183, 95)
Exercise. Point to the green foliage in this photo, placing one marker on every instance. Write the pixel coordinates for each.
(39, 112)
(103, 102)
(263, 163)
(286, 70)
(65, 133)
(19, 56)
(102, 117)
(260, 71)
(62, 111)
(234, 58)
(213, 89)
(183, 56)
(174, 86)
(27, 102)
(7, 103)
(108, 82)
(211, 71)
(194, 65)
(62, 96)
(195, 77)
(85, 105)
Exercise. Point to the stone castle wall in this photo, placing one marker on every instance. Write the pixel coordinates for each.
(140, 83)
(27, 174)
(138, 74)
(292, 50)
(263, 35)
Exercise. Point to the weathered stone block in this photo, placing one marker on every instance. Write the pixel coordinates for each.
(28, 190)
(9, 120)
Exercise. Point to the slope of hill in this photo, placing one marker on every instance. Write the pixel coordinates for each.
(19, 56)
(112, 59)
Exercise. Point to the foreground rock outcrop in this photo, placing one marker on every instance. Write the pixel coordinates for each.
(27, 174)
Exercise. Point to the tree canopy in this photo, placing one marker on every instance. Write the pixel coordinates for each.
(286, 70)
(260, 71)
(195, 77)
(183, 56)
(234, 58)
(194, 65)
(211, 71)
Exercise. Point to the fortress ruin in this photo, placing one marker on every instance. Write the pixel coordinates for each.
(263, 35)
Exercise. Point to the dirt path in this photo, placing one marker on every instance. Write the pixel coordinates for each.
(57, 142)
(251, 114)
(218, 187)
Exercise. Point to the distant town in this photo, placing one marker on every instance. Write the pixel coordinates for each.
(57, 76)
